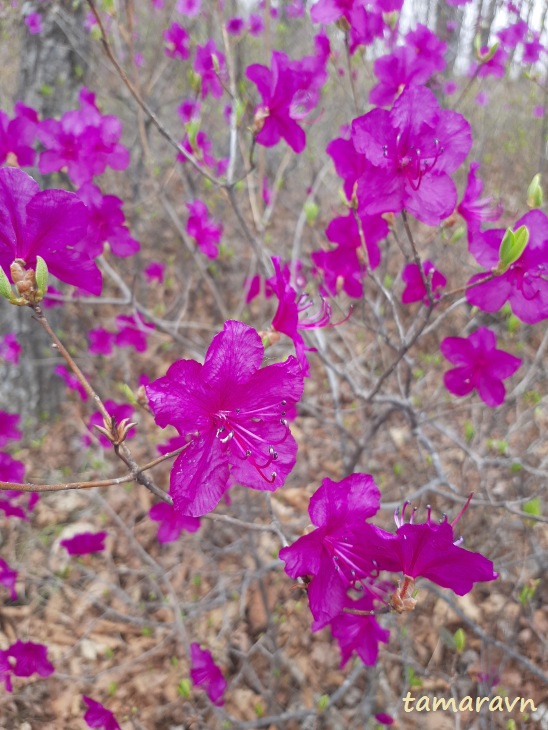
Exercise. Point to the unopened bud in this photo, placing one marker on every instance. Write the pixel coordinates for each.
(269, 338)
(535, 196)
(261, 114)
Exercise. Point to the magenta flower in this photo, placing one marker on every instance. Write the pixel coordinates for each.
(235, 414)
(33, 21)
(411, 150)
(85, 543)
(513, 34)
(359, 634)
(8, 578)
(291, 306)
(312, 74)
(5, 671)
(204, 230)
(255, 24)
(10, 349)
(8, 427)
(348, 163)
(532, 49)
(83, 141)
(107, 223)
(133, 331)
(205, 673)
(97, 716)
(427, 550)
(415, 291)
(334, 554)
(189, 7)
(14, 471)
(235, 26)
(101, 341)
(49, 224)
(475, 209)
(188, 110)
(346, 267)
(210, 65)
(71, 380)
(17, 136)
(495, 66)
(414, 63)
(277, 86)
(177, 42)
(30, 658)
(172, 523)
(525, 284)
(480, 366)
(155, 272)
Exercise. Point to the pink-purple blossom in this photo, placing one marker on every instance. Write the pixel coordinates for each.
(191, 8)
(8, 576)
(235, 416)
(155, 272)
(480, 366)
(97, 716)
(210, 65)
(133, 331)
(30, 658)
(415, 290)
(50, 224)
(107, 224)
(8, 427)
(359, 634)
(206, 674)
(177, 42)
(203, 229)
(85, 543)
(410, 153)
(71, 380)
(334, 555)
(83, 141)
(33, 21)
(475, 209)
(17, 136)
(172, 522)
(10, 349)
(525, 283)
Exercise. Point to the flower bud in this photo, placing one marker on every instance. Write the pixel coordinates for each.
(534, 192)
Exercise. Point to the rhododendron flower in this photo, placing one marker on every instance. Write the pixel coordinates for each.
(17, 136)
(85, 543)
(235, 415)
(312, 75)
(189, 7)
(415, 291)
(210, 65)
(83, 141)
(532, 49)
(49, 224)
(71, 380)
(205, 673)
(414, 63)
(33, 21)
(8, 578)
(347, 265)
(177, 42)
(97, 716)
(495, 66)
(188, 110)
(235, 26)
(255, 24)
(30, 658)
(525, 284)
(480, 366)
(294, 9)
(133, 331)
(475, 209)
(119, 412)
(291, 305)
(107, 223)
(427, 550)
(101, 341)
(155, 272)
(200, 149)
(172, 522)
(277, 86)
(5, 671)
(334, 554)
(359, 634)
(513, 34)
(349, 164)
(10, 349)
(8, 427)
(204, 230)
(411, 150)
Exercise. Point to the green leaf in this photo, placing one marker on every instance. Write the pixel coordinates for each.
(183, 688)
(5, 286)
(323, 702)
(459, 640)
(533, 507)
(534, 192)
(311, 211)
(512, 246)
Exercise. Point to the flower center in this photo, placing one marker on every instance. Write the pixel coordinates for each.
(235, 430)
(411, 161)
